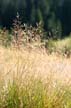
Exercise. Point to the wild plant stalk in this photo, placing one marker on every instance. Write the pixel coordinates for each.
(29, 82)
(23, 34)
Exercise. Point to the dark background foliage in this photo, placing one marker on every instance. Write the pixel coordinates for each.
(55, 14)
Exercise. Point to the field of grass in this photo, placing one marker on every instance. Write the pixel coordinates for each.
(63, 46)
(33, 79)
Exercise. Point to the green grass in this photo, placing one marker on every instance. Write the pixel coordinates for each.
(61, 46)
(35, 95)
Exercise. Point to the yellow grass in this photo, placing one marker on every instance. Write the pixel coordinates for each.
(33, 79)
(18, 64)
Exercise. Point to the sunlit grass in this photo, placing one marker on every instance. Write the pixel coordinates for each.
(33, 79)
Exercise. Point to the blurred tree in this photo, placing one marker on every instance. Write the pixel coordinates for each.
(53, 13)
(66, 17)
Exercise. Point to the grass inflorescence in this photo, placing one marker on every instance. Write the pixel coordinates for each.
(29, 82)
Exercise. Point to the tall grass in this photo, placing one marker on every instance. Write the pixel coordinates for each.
(30, 80)
(63, 47)
(22, 35)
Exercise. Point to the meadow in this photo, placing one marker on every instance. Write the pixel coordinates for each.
(31, 78)
(35, 54)
(35, 72)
